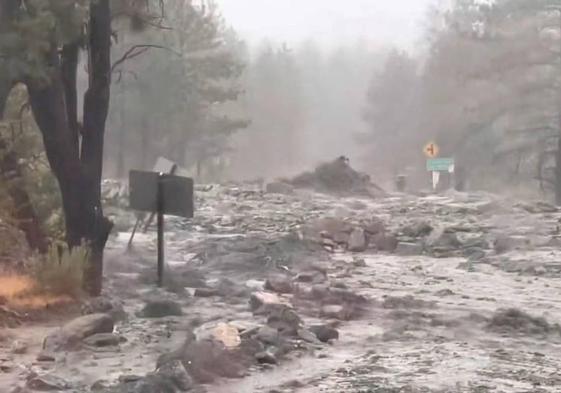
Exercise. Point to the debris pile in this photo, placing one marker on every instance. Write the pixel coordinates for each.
(337, 177)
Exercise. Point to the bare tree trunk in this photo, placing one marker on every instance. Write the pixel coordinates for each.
(11, 175)
(558, 173)
(78, 169)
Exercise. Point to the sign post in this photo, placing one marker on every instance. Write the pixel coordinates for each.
(161, 193)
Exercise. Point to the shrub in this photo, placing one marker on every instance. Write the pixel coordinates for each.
(61, 271)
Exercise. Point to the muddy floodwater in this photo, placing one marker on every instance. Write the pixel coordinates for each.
(305, 292)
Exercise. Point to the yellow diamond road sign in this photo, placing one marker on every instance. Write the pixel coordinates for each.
(431, 150)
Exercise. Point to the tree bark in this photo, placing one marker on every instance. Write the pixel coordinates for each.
(558, 173)
(11, 174)
(78, 167)
(96, 108)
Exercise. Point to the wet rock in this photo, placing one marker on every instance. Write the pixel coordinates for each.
(417, 229)
(227, 334)
(103, 340)
(47, 383)
(207, 360)
(385, 242)
(327, 227)
(206, 292)
(285, 321)
(445, 292)
(160, 309)
(503, 243)
(312, 276)
(45, 356)
(279, 284)
(279, 187)
(80, 328)
(374, 226)
(308, 336)
(325, 333)
(176, 373)
(268, 335)
(357, 241)
(336, 311)
(262, 301)
(99, 386)
(266, 357)
(409, 249)
(231, 289)
(514, 321)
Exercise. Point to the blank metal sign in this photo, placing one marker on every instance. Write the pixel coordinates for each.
(177, 193)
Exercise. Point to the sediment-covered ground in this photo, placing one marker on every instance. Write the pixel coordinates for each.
(303, 292)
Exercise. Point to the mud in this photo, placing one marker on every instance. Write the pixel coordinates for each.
(418, 322)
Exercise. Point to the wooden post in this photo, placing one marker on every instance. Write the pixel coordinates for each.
(161, 229)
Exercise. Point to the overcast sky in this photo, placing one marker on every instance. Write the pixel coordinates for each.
(328, 21)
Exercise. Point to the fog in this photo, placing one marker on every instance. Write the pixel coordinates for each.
(266, 89)
(329, 22)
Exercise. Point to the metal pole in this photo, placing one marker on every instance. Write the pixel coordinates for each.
(160, 229)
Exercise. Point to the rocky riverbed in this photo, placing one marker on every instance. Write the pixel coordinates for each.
(303, 292)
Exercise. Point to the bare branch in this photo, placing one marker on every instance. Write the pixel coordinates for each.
(137, 50)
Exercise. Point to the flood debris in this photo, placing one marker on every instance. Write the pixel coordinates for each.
(515, 321)
(337, 177)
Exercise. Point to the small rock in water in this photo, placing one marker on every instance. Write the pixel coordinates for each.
(176, 373)
(308, 336)
(325, 333)
(336, 311)
(386, 243)
(266, 357)
(206, 292)
(268, 335)
(357, 241)
(103, 340)
(409, 249)
(285, 320)
(160, 309)
(279, 284)
(260, 300)
(46, 383)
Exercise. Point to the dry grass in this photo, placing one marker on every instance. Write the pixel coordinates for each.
(61, 271)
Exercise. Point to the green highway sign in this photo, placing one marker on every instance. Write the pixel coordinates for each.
(440, 165)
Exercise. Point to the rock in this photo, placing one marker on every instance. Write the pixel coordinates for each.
(47, 383)
(374, 226)
(326, 228)
(105, 305)
(359, 262)
(266, 357)
(73, 332)
(285, 320)
(386, 243)
(175, 372)
(308, 336)
(227, 335)
(279, 284)
(336, 311)
(206, 292)
(103, 340)
(443, 241)
(279, 187)
(45, 356)
(357, 241)
(268, 335)
(160, 309)
(313, 276)
(99, 386)
(260, 301)
(515, 321)
(502, 244)
(409, 249)
(206, 360)
(417, 229)
(325, 333)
